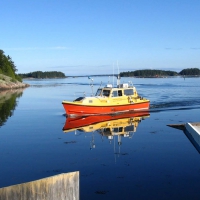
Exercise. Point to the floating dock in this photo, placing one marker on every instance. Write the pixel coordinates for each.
(190, 127)
(193, 127)
(192, 132)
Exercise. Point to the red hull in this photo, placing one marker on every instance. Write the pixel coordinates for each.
(72, 123)
(82, 110)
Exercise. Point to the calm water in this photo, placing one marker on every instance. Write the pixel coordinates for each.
(150, 161)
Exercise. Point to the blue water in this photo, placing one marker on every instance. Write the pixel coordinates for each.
(155, 162)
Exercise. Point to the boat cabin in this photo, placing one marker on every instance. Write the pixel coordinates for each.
(109, 131)
(121, 90)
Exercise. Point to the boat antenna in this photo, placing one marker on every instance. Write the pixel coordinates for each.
(118, 76)
(91, 84)
(114, 150)
(100, 84)
(113, 74)
(92, 144)
(117, 67)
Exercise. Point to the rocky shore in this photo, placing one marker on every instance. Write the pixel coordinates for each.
(7, 83)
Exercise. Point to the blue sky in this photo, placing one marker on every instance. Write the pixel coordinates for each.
(81, 37)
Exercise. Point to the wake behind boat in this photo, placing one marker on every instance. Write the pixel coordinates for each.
(108, 100)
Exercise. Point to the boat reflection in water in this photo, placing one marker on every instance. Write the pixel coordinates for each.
(120, 125)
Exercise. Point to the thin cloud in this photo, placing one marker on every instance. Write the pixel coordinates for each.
(192, 48)
(37, 48)
(195, 48)
(74, 66)
(67, 66)
(170, 48)
(59, 48)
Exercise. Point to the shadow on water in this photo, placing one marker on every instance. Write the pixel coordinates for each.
(8, 103)
(193, 136)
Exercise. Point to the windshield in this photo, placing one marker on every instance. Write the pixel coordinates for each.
(101, 92)
(106, 93)
(98, 92)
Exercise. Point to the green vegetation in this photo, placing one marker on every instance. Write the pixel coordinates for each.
(149, 73)
(8, 103)
(160, 73)
(40, 74)
(7, 67)
(190, 72)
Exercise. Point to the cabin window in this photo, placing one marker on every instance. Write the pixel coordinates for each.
(98, 92)
(119, 93)
(129, 128)
(106, 131)
(106, 93)
(118, 129)
(114, 94)
(128, 92)
(79, 99)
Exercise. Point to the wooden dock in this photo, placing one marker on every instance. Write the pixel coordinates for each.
(60, 187)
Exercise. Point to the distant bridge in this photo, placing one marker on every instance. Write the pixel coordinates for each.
(116, 75)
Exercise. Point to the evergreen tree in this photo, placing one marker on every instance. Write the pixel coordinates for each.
(190, 72)
(7, 66)
(149, 73)
(40, 74)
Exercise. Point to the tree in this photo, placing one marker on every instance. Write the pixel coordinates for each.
(149, 73)
(40, 74)
(190, 72)
(7, 66)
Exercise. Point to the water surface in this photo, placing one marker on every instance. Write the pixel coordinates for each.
(152, 161)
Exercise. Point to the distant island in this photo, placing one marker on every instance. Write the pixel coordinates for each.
(9, 79)
(40, 74)
(145, 73)
(152, 73)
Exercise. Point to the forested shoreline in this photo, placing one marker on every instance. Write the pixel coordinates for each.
(9, 79)
(152, 73)
(7, 67)
(42, 75)
(145, 73)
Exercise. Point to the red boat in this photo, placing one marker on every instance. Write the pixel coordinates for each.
(107, 100)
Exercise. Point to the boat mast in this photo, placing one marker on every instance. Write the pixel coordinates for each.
(113, 74)
(118, 76)
(91, 84)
